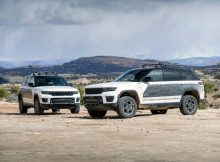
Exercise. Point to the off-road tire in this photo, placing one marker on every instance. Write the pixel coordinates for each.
(76, 110)
(164, 111)
(38, 110)
(22, 109)
(189, 105)
(97, 114)
(55, 110)
(127, 107)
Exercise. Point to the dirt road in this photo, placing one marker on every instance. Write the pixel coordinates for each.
(146, 137)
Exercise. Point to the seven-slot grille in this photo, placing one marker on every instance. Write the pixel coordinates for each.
(94, 90)
(62, 93)
(62, 100)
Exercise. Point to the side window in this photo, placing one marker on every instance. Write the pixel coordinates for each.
(155, 75)
(32, 80)
(187, 75)
(172, 75)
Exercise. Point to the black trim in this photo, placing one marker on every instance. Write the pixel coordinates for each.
(60, 106)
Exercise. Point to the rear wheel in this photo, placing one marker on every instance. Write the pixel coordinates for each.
(189, 105)
(164, 111)
(97, 114)
(76, 110)
(37, 107)
(127, 107)
(22, 109)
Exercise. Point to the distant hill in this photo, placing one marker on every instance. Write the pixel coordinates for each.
(85, 65)
(197, 61)
(102, 65)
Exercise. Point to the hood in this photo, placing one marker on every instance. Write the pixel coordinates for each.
(56, 88)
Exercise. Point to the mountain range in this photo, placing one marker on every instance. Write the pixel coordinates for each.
(197, 61)
(102, 65)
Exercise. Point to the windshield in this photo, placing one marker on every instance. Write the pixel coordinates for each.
(50, 81)
(132, 76)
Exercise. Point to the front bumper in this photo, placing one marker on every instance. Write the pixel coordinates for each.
(98, 103)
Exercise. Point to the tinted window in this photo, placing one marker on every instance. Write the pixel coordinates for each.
(172, 75)
(155, 75)
(50, 81)
(132, 76)
(187, 75)
(32, 80)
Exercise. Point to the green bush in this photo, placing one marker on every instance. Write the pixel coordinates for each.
(202, 105)
(3, 93)
(209, 87)
(216, 96)
(81, 91)
(217, 77)
(14, 89)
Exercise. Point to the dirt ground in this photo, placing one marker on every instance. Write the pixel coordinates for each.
(146, 137)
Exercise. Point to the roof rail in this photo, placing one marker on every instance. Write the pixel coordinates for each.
(159, 64)
(46, 73)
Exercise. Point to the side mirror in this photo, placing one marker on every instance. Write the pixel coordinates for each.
(71, 84)
(147, 79)
(30, 85)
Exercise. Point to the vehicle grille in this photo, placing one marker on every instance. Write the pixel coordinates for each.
(93, 100)
(62, 100)
(93, 90)
(62, 93)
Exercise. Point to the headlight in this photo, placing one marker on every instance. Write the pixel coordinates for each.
(109, 89)
(45, 92)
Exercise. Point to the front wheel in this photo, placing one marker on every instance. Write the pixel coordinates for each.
(76, 110)
(22, 109)
(127, 107)
(37, 107)
(189, 105)
(97, 114)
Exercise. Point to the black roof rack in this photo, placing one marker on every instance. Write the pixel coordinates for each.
(159, 64)
(46, 73)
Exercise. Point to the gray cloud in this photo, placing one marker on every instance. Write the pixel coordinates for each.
(158, 29)
(71, 12)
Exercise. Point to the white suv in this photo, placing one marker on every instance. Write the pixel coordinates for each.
(44, 90)
(155, 87)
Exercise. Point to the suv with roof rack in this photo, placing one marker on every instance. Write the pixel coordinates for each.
(157, 87)
(47, 90)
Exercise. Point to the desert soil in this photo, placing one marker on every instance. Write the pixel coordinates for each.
(77, 137)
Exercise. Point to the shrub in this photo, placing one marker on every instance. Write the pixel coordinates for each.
(14, 89)
(3, 93)
(81, 91)
(202, 105)
(216, 96)
(217, 77)
(209, 87)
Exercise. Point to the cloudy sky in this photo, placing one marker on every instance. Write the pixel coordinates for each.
(155, 29)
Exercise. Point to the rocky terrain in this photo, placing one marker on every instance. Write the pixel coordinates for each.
(68, 137)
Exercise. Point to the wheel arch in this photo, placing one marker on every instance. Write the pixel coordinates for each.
(130, 93)
(193, 93)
